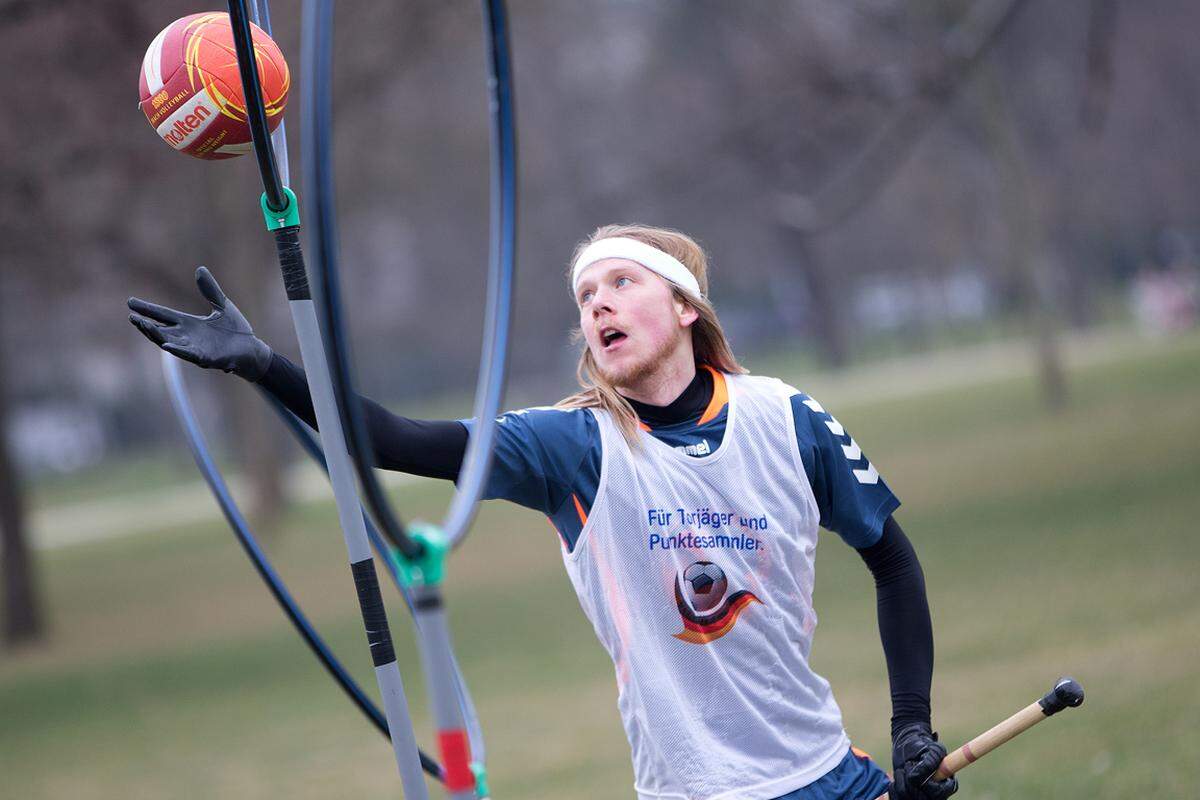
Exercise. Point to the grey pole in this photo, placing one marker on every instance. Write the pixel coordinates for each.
(282, 217)
(420, 553)
(341, 476)
(437, 652)
(437, 662)
(462, 696)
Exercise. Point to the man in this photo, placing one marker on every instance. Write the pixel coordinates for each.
(687, 495)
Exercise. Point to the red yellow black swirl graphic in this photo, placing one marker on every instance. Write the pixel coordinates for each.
(224, 85)
(705, 628)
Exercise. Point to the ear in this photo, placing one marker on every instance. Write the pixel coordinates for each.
(685, 313)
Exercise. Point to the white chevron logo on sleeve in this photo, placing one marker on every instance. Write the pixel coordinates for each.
(835, 426)
(869, 475)
(853, 451)
(814, 405)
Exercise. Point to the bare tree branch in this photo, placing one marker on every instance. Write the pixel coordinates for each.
(17, 12)
(1102, 31)
(871, 169)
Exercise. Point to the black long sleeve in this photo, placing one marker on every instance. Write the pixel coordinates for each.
(904, 624)
(433, 448)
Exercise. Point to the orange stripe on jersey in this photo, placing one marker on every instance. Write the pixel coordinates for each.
(720, 396)
(643, 426)
(579, 508)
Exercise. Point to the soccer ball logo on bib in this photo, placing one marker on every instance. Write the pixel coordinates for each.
(708, 610)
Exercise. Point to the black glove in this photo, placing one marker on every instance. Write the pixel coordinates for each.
(916, 755)
(223, 340)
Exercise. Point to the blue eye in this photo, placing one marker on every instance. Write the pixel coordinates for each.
(585, 297)
(621, 281)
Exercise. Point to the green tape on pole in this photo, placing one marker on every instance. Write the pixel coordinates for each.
(429, 568)
(481, 785)
(286, 217)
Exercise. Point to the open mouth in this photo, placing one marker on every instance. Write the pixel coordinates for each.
(610, 337)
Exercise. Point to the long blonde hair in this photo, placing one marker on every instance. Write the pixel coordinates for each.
(709, 344)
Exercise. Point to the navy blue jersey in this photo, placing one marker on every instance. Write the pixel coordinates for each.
(853, 499)
(548, 459)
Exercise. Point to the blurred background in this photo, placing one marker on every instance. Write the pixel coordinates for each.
(970, 229)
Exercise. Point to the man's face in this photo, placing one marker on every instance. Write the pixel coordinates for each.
(630, 319)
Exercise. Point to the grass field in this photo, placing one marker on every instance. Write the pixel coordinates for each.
(1052, 543)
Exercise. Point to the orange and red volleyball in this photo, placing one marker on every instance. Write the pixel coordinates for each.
(191, 91)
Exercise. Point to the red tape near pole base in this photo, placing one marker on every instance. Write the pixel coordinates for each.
(456, 760)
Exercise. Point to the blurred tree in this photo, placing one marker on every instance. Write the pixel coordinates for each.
(244, 263)
(859, 176)
(1097, 95)
(1026, 257)
(23, 620)
(746, 124)
(113, 236)
(22, 607)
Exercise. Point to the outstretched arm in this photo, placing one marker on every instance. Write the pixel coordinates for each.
(539, 454)
(433, 448)
(223, 339)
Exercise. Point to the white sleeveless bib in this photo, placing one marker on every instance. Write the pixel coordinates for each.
(697, 576)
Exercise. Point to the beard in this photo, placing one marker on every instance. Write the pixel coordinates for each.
(636, 372)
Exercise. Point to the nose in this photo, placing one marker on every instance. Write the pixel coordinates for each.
(601, 302)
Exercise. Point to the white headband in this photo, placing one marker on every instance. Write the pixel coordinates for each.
(649, 257)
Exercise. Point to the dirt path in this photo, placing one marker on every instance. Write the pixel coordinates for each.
(141, 512)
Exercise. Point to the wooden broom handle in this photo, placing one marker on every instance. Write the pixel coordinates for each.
(1067, 693)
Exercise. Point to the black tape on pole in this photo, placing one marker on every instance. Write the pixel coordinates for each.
(374, 618)
(291, 263)
(428, 602)
(250, 545)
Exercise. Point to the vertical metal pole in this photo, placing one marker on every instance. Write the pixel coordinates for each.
(437, 662)
(437, 653)
(260, 14)
(358, 548)
(423, 577)
(282, 217)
